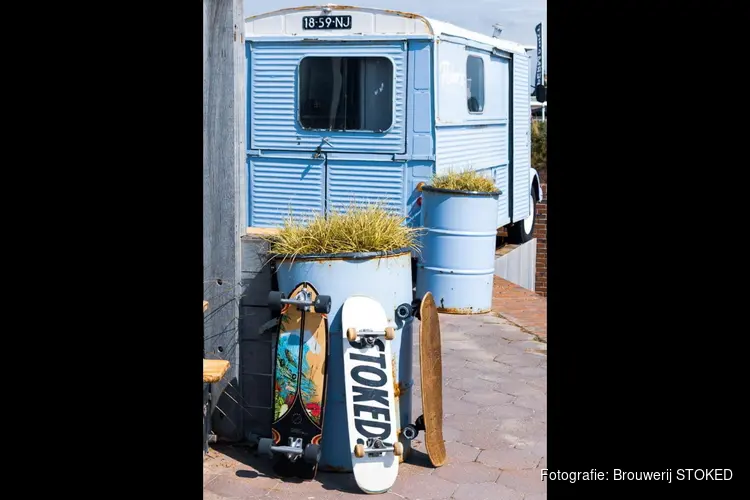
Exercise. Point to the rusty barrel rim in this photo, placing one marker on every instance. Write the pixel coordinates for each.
(344, 255)
(488, 194)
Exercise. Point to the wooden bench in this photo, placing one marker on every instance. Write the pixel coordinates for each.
(213, 371)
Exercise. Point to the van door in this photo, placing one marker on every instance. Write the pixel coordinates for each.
(311, 99)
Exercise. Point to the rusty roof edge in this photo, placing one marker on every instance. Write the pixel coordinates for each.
(408, 15)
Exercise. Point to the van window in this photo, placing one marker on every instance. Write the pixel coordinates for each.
(475, 84)
(346, 93)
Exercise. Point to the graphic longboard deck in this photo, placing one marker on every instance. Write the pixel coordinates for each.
(299, 388)
(431, 366)
(370, 400)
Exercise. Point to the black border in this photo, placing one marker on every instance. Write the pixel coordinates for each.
(641, 286)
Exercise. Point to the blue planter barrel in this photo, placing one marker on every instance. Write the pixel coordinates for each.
(457, 261)
(386, 277)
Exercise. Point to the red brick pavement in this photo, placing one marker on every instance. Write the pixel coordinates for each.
(518, 305)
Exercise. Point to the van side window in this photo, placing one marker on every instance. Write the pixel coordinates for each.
(345, 93)
(475, 83)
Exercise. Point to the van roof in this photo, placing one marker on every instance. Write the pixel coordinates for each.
(433, 26)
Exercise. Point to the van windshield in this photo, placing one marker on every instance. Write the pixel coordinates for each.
(346, 93)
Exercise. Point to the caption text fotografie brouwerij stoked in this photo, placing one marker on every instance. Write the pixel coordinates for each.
(667, 475)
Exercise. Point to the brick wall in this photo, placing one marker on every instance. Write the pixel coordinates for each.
(540, 233)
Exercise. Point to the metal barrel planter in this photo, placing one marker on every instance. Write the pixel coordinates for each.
(384, 276)
(457, 261)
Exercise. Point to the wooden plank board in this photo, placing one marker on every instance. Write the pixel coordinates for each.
(262, 231)
(431, 366)
(214, 370)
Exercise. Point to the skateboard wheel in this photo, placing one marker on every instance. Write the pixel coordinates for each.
(410, 432)
(389, 333)
(312, 454)
(351, 334)
(359, 451)
(274, 300)
(264, 447)
(322, 304)
(398, 449)
(403, 311)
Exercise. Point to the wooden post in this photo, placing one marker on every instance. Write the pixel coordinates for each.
(223, 199)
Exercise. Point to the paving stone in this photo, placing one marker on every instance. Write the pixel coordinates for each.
(450, 433)
(338, 481)
(451, 335)
(481, 438)
(516, 388)
(508, 458)
(423, 487)
(488, 367)
(525, 481)
(495, 377)
(536, 496)
(518, 360)
(458, 452)
(449, 393)
(365, 496)
(454, 407)
(472, 422)
(467, 473)
(482, 398)
(234, 487)
(531, 344)
(530, 371)
(534, 402)
(307, 495)
(479, 356)
(207, 478)
(299, 489)
(523, 427)
(486, 491)
(471, 383)
(505, 411)
(462, 345)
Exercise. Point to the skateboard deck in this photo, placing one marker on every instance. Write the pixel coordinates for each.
(370, 399)
(299, 383)
(431, 367)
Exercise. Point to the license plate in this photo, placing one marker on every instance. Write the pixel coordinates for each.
(327, 22)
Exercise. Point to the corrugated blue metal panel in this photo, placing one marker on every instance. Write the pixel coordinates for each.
(521, 137)
(272, 88)
(503, 206)
(471, 146)
(278, 185)
(366, 182)
(458, 253)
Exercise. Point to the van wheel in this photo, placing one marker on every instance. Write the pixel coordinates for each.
(522, 231)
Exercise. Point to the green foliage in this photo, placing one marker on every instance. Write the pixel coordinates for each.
(539, 147)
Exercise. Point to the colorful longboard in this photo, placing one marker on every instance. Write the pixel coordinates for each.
(370, 399)
(299, 382)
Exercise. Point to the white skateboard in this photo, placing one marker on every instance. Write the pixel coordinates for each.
(370, 400)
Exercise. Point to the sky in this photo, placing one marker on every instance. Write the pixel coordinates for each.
(517, 17)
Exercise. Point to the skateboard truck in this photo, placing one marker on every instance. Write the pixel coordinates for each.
(310, 454)
(321, 304)
(378, 446)
(368, 335)
(412, 430)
